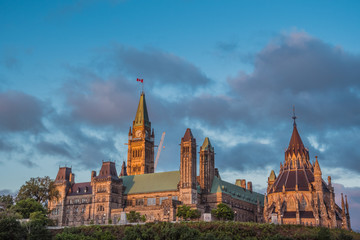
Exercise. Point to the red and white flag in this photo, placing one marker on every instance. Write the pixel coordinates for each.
(140, 80)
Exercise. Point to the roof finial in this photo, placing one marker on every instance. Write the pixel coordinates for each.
(294, 116)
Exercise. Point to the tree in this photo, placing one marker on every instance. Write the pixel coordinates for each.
(7, 201)
(36, 228)
(28, 206)
(40, 189)
(10, 228)
(185, 212)
(133, 216)
(223, 212)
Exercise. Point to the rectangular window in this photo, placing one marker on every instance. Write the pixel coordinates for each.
(151, 201)
(139, 201)
(84, 200)
(163, 198)
(175, 197)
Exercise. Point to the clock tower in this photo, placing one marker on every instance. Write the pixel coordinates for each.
(141, 142)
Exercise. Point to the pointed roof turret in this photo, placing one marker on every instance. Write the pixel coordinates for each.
(317, 170)
(272, 176)
(188, 135)
(207, 145)
(123, 170)
(296, 145)
(142, 117)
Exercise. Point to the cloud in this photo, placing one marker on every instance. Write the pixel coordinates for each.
(57, 149)
(159, 68)
(7, 192)
(20, 112)
(102, 102)
(29, 163)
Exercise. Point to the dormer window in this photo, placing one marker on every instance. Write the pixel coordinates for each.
(86, 189)
(78, 190)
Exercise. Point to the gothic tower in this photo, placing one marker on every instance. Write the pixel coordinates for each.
(188, 184)
(141, 142)
(207, 165)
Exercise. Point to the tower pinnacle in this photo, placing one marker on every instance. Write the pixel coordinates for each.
(294, 116)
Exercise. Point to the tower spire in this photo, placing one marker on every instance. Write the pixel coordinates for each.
(142, 117)
(294, 116)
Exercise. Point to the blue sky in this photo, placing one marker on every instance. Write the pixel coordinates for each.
(230, 70)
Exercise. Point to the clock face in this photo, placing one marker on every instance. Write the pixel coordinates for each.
(138, 133)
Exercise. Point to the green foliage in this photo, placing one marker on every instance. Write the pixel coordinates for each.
(324, 234)
(110, 221)
(10, 228)
(133, 217)
(223, 212)
(28, 206)
(185, 212)
(40, 189)
(143, 218)
(205, 231)
(86, 233)
(7, 201)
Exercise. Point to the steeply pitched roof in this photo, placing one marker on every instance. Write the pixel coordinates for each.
(142, 117)
(63, 174)
(108, 169)
(236, 192)
(188, 135)
(152, 182)
(207, 145)
(296, 145)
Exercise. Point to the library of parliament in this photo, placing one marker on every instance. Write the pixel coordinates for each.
(297, 196)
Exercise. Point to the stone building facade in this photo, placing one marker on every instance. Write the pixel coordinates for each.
(155, 195)
(299, 195)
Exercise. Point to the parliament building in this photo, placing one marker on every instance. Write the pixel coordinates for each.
(155, 195)
(299, 195)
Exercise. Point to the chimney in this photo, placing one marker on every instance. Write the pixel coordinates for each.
(243, 183)
(249, 186)
(93, 174)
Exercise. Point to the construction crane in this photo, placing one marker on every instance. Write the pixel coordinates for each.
(159, 150)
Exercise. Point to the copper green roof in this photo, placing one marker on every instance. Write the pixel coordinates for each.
(152, 182)
(207, 145)
(142, 117)
(236, 192)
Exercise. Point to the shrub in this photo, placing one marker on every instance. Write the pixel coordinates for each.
(223, 212)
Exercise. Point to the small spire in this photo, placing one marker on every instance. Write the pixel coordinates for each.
(317, 170)
(130, 131)
(207, 145)
(272, 176)
(294, 116)
(142, 117)
(123, 170)
(346, 205)
(342, 204)
(187, 136)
